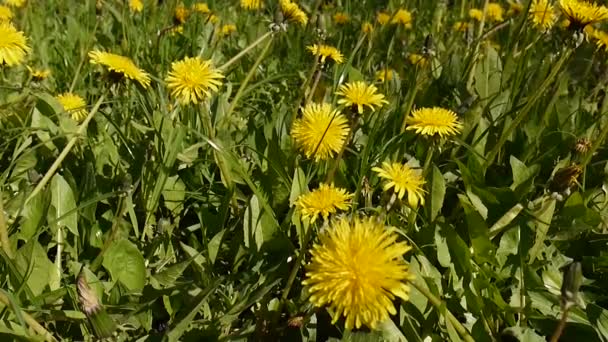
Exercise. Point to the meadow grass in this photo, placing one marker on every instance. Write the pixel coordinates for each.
(413, 170)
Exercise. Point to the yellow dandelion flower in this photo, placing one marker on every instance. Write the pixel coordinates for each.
(542, 14)
(192, 80)
(601, 38)
(383, 18)
(74, 105)
(403, 17)
(515, 7)
(321, 132)
(323, 201)
(476, 14)
(357, 270)
(367, 27)
(293, 12)
(227, 30)
(385, 74)
(136, 5)
(433, 121)
(38, 74)
(123, 66)
(180, 15)
(13, 45)
(360, 94)
(175, 30)
(582, 13)
(325, 52)
(5, 13)
(417, 60)
(401, 178)
(214, 19)
(461, 26)
(201, 8)
(341, 18)
(495, 12)
(252, 4)
(15, 3)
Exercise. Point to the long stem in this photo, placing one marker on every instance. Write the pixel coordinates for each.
(4, 240)
(560, 327)
(248, 77)
(38, 329)
(245, 51)
(462, 331)
(66, 150)
(526, 110)
(314, 87)
(297, 265)
(351, 132)
(596, 144)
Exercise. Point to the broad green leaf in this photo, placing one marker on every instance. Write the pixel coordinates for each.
(33, 215)
(63, 204)
(483, 249)
(437, 192)
(126, 264)
(33, 263)
(174, 193)
(169, 275)
(598, 317)
(44, 128)
(541, 220)
(524, 334)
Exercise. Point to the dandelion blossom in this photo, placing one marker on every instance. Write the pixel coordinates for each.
(5, 13)
(180, 15)
(251, 4)
(357, 270)
(326, 51)
(13, 45)
(367, 27)
(495, 12)
(515, 7)
(201, 8)
(321, 132)
(38, 74)
(461, 26)
(402, 179)
(136, 5)
(74, 105)
(433, 121)
(582, 13)
(417, 60)
(403, 17)
(383, 18)
(15, 3)
(601, 38)
(341, 18)
(192, 80)
(227, 30)
(476, 14)
(360, 94)
(120, 65)
(542, 14)
(323, 201)
(385, 74)
(293, 12)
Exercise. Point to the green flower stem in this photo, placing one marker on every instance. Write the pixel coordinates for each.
(462, 331)
(297, 265)
(411, 96)
(596, 144)
(248, 77)
(351, 133)
(245, 51)
(34, 325)
(523, 113)
(66, 150)
(475, 53)
(4, 240)
(314, 86)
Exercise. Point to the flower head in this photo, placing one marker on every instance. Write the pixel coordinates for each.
(385, 74)
(38, 74)
(326, 51)
(192, 79)
(417, 60)
(383, 18)
(515, 7)
(15, 3)
(252, 4)
(542, 14)
(181, 14)
(321, 132)
(74, 105)
(581, 13)
(123, 66)
(601, 38)
(360, 94)
(476, 14)
(323, 201)
(403, 17)
(402, 179)
(227, 30)
(367, 27)
(5, 13)
(341, 18)
(201, 8)
(461, 26)
(293, 12)
(495, 12)
(13, 45)
(357, 269)
(136, 5)
(433, 121)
